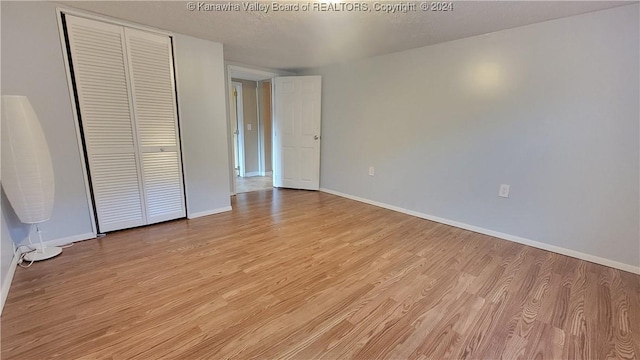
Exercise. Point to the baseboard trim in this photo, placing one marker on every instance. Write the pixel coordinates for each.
(517, 239)
(67, 240)
(8, 279)
(209, 212)
(252, 173)
(62, 241)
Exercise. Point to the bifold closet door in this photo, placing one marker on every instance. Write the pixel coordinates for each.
(126, 95)
(151, 69)
(102, 86)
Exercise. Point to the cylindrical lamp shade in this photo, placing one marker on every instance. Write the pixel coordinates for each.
(27, 172)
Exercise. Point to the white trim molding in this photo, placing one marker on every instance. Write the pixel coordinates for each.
(66, 240)
(245, 73)
(8, 279)
(252, 174)
(63, 44)
(110, 19)
(517, 239)
(209, 212)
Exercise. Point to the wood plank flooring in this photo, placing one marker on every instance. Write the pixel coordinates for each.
(303, 275)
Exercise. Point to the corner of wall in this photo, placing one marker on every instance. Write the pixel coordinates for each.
(7, 280)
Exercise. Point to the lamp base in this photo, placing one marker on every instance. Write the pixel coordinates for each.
(43, 254)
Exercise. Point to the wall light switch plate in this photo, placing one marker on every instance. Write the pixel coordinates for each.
(249, 127)
(372, 171)
(504, 190)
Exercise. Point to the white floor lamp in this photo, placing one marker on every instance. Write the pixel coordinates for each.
(27, 172)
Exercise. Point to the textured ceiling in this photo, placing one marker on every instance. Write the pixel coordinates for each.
(293, 40)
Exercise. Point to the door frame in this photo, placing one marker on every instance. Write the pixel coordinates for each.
(262, 156)
(63, 10)
(239, 111)
(241, 73)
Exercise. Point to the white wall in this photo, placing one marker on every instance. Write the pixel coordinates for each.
(7, 249)
(32, 65)
(550, 108)
(203, 121)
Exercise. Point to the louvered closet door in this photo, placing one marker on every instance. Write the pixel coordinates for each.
(151, 73)
(101, 78)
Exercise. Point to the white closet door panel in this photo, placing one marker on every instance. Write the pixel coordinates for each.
(101, 77)
(163, 186)
(151, 69)
(116, 175)
(101, 83)
(152, 77)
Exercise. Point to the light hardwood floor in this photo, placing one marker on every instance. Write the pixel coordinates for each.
(301, 275)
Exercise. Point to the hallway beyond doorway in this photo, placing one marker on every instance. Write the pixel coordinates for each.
(253, 183)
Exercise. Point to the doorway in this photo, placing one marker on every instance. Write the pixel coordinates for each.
(288, 112)
(251, 136)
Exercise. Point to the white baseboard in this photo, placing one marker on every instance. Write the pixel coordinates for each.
(252, 173)
(209, 212)
(520, 240)
(67, 240)
(6, 282)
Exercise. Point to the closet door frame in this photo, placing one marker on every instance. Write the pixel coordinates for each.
(60, 12)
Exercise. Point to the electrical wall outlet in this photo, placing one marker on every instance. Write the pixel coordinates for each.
(504, 190)
(372, 171)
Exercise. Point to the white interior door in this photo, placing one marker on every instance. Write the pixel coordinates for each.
(297, 102)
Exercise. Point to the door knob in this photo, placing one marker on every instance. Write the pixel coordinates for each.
(316, 137)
